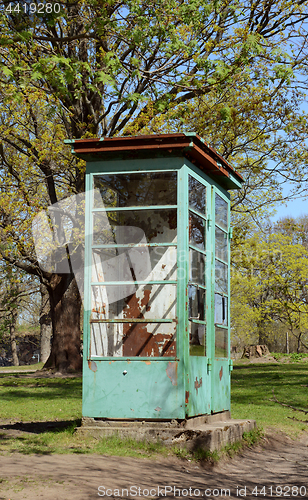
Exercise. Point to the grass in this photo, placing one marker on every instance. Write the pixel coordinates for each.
(252, 390)
(293, 357)
(53, 406)
(39, 399)
(34, 366)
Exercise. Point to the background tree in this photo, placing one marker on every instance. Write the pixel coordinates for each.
(98, 68)
(270, 287)
(15, 293)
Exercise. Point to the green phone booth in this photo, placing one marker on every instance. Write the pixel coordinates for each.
(156, 291)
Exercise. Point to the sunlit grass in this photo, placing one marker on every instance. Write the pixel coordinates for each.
(253, 387)
(48, 410)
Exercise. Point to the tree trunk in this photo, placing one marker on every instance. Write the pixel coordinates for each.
(262, 334)
(65, 307)
(13, 339)
(299, 343)
(45, 325)
(287, 343)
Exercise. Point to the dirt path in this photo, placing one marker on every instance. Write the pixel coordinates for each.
(274, 464)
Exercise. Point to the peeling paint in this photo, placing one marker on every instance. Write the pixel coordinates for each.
(198, 384)
(158, 408)
(172, 372)
(147, 362)
(186, 397)
(220, 373)
(92, 365)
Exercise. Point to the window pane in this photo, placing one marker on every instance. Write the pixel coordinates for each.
(140, 226)
(133, 339)
(221, 244)
(196, 267)
(138, 189)
(221, 309)
(134, 264)
(221, 212)
(197, 339)
(197, 195)
(196, 231)
(221, 342)
(196, 298)
(132, 301)
(221, 277)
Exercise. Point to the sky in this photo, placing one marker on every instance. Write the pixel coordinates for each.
(293, 208)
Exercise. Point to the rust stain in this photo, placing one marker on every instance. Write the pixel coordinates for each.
(137, 339)
(158, 408)
(198, 384)
(186, 397)
(92, 365)
(220, 374)
(146, 299)
(172, 372)
(147, 362)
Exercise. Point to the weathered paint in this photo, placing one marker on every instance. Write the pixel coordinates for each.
(139, 394)
(170, 383)
(172, 372)
(92, 365)
(198, 384)
(221, 381)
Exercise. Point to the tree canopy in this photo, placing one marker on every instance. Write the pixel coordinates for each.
(234, 71)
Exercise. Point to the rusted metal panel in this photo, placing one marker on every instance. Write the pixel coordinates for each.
(144, 391)
(188, 145)
(198, 387)
(221, 383)
(132, 327)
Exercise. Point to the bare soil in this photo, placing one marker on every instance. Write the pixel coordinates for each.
(278, 464)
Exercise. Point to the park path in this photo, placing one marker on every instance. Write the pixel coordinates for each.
(278, 464)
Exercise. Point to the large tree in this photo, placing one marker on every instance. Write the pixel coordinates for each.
(270, 288)
(106, 68)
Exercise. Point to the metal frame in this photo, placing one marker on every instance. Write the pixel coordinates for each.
(187, 401)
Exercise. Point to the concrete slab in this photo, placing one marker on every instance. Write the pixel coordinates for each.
(208, 432)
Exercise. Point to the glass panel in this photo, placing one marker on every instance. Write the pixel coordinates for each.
(197, 195)
(221, 342)
(196, 231)
(221, 277)
(221, 212)
(197, 339)
(139, 189)
(132, 301)
(134, 264)
(196, 267)
(196, 298)
(221, 244)
(139, 226)
(221, 309)
(133, 339)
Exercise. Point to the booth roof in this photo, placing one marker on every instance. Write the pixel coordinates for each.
(189, 145)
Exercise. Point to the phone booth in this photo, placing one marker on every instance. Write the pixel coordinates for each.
(156, 292)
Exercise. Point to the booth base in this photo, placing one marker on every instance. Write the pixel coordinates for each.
(208, 432)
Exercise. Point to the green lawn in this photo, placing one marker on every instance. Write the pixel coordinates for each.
(56, 402)
(252, 389)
